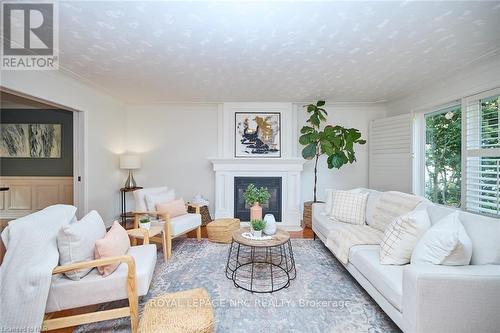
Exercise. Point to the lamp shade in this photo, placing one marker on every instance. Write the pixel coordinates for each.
(129, 162)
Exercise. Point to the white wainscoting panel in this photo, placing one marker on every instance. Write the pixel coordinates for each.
(29, 194)
(19, 197)
(390, 146)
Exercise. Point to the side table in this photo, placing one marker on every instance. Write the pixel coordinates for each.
(261, 266)
(124, 214)
(205, 214)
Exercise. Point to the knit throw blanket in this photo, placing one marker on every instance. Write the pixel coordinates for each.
(345, 235)
(26, 272)
(391, 205)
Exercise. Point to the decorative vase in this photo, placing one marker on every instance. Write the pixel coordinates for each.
(255, 212)
(270, 228)
(145, 225)
(256, 233)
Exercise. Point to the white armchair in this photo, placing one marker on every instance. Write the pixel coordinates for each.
(166, 228)
(130, 280)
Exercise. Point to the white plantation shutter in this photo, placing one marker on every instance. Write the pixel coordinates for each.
(390, 146)
(481, 154)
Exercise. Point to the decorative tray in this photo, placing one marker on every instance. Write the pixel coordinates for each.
(248, 235)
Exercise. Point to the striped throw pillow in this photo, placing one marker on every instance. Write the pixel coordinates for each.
(401, 236)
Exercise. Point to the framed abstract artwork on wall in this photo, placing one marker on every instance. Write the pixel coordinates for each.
(30, 140)
(257, 134)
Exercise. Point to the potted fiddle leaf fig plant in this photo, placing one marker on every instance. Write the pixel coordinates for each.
(334, 141)
(254, 197)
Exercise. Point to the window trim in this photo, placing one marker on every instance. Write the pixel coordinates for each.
(419, 144)
(477, 152)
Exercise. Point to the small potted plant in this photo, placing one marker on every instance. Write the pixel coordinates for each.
(145, 223)
(254, 197)
(257, 226)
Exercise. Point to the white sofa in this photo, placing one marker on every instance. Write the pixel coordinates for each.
(428, 298)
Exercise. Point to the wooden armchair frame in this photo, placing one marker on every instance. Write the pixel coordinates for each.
(165, 236)
(131, 311)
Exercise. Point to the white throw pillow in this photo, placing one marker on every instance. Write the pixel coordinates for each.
(349, 207)
(76, 242)
(328, 203)
(446, 243)
(329, 200)
(401, 236)
(140, 196)
(161, 197)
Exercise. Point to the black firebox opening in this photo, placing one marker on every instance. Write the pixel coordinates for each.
(273, 206)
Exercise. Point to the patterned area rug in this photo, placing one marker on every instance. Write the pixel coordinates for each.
(323, 298)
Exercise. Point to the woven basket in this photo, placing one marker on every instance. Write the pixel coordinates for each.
(187, 311)
(307, 218)
(221, 230)
(205, 214)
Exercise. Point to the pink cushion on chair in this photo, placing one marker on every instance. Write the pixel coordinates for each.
(174, 208)
(114, 243)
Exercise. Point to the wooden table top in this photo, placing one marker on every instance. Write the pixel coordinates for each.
(279, 238)
(131, 189)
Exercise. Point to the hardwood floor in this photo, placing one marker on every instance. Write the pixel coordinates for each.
(305, 233)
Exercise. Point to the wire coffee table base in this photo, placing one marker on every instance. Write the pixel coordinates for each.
(261, 269)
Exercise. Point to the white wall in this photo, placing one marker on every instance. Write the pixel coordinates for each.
(351, 175)
(175, 142)
(481, 77)
(105, 127)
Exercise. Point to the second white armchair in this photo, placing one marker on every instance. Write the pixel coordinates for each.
(166, 227)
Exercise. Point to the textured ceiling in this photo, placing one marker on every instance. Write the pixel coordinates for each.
(343, 51)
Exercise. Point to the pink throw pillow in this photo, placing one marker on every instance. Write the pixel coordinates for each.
(114, 243)
(174, 208)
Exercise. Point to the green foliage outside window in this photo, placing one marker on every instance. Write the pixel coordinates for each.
(443, 149)
(443, 157)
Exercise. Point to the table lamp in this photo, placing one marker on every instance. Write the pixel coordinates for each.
(130, 162)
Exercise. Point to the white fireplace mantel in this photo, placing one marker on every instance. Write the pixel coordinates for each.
(258, 164)
(288, 166)
(289, 169)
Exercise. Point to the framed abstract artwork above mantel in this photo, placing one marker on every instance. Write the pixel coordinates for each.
(30, 140)
(257, 134)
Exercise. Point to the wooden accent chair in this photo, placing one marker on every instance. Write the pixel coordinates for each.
(128, 281)
(167, 228)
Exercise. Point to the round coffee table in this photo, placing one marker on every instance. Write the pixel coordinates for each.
(261, 266)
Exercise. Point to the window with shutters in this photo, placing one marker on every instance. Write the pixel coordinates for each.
(482, 160)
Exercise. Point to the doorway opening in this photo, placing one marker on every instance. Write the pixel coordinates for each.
(41, 156)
